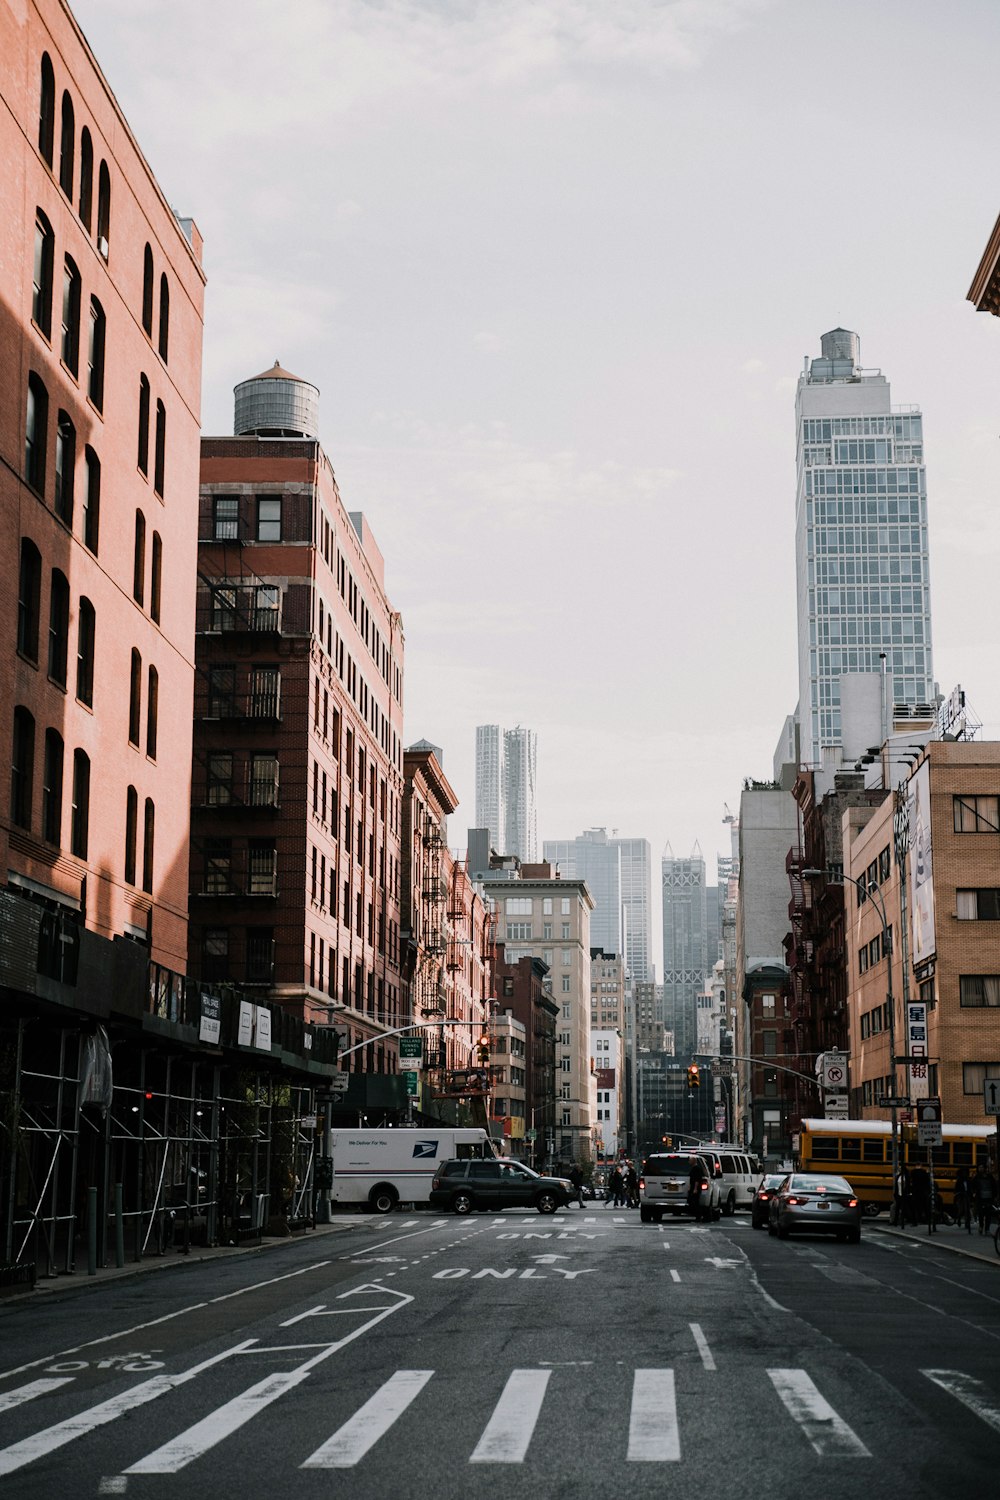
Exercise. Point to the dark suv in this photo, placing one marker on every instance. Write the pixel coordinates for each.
(466, 1185)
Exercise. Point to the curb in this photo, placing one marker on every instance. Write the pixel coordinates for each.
(934, 1242)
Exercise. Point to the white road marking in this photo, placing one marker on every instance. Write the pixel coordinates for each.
(972, 1393)
(703, 1349)
(828, 1433)
(755, 1283)
(653, 1434)
(507, 1434)
(352, 1441)
(675, 1275)
(29, 1392)
(106, 1338)
(219, 1424)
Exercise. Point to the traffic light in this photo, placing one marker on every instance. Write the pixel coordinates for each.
(483, 1048)
(694, 1076)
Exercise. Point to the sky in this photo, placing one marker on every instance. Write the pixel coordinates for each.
(554, 266)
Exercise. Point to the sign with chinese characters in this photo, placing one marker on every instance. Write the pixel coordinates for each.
(916, 1046)
(921, 869)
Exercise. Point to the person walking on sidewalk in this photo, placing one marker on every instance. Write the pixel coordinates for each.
(962, 1202)
(617, 1183)
(984, 1191)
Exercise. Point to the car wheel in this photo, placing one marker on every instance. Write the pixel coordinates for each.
(770, 1228)
(854, 1238)
(658, 1215)
(756, 1223)
(645, 1214)
(716, 1215)
(462, 1203)
(730, 1205)
(383, 1199)
(547, 1203)
(871, 1210)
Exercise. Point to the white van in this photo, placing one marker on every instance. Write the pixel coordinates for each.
(741, 1173)
(385, 1167)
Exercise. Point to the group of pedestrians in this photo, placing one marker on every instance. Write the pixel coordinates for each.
(919, 1201)
(623, 1186)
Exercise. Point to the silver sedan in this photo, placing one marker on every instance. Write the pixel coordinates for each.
(818, 1202)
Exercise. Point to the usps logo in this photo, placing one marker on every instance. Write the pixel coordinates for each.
(425, 1148)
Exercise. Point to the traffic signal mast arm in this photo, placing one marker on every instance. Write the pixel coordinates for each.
(399, 1030)
(766, 1062)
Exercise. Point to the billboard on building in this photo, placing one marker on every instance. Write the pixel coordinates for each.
(605, 1078)
(921, 866)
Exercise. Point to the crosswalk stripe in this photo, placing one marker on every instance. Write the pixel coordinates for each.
(970, 1392)
(29, 1392)
(219, 1424)
(352, 1441)
(828, 1433)
(507, 1434)
(653, 1434)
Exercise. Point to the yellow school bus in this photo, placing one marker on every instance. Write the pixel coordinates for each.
(861, 1151)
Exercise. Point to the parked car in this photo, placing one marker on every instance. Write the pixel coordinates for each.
(666, 1181)
(760, 1207)
(464, 1185)
(817, 1201)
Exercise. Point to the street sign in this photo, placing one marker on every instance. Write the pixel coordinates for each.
(335, 1086)
(411, 1082)
(928, 1113)
(411, 1053)
(991, 1096)
(834, 1070)
(892, 1101)
(835, 1106)
(531, 1135)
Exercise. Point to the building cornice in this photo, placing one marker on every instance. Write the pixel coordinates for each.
(984, 293)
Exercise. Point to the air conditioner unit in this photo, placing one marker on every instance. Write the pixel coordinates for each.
(103, 246)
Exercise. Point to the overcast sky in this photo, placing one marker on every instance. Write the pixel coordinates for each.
(554, 265)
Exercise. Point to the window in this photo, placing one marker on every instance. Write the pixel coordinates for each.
(260, 954)
(519, 932)
(976, 814)
(567, 956)
(86, 205)
(518, 906)
(139, 558)
(152, 710)
(160, 448)
(975, 1074)
(979, 990)
(91, 499)
(103, 210)
(267, 607)
(264, 781)
(142, 455)
(80, 820)
(58, 627)
(215, 953)
(164, 335)
(86, 628)
(70, 340)
(41, 290)
(225, 518)
(52, 787)
(47, 110)
(224, 608)
(155, 577)
(95, 354)
(265, 692)
(147, 290)
(564, 905)
(261, 868)
(546, 906)
(981, 905)
(221, 692)
(219, 787)
(28, 595)
(565, 931)
(546, 933)
(769, 1042)
(67, 146)
(135, 698)
(22, 768)
(218, 867)
(131, 821)
(148, 834)
(36, 432)
(565, 984)
(65, 468)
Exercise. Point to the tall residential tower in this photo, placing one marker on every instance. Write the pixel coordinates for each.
(506, 762)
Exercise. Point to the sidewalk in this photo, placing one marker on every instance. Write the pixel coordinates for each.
(951, 1237)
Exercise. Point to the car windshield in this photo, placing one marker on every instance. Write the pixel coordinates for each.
(802, 1184)
(773, 1181)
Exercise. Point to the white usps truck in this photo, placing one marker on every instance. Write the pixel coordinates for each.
(385, 1167)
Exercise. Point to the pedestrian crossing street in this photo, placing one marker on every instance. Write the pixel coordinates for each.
(653, 1433)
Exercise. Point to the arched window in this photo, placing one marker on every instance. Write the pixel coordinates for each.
(160, 453)
(22, 768)
(104, 210)
(131, 819)
(95, 354)
(148, 834)
(147, 290)
(142, 458)
(41, 291)
(67, 147)
(36, 433)
(86, 209)
(47, 109)
(65, 468)
(155, 577)
(152, 710)
(164, 334)
(135, 698)
(70, 347)
(92, 500)
(58, 627)
(86, 635)
(28, 595)
(52, 787)
(139, 558)
(80, 820)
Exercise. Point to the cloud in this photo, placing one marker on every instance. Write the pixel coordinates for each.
(754, 367)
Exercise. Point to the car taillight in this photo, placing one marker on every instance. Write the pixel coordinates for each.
(794, 1200)
(852, 1202)
(764, 1196)
(642, 1184)
(704, 1186)
(435, 1184)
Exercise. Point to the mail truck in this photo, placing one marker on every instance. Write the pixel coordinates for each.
(386, 1167)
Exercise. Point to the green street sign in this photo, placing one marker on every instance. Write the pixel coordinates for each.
(531, 1135)
(411, 1082)
(411, 1051)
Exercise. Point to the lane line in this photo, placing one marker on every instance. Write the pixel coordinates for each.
(272, 1281)
(971, 1393)
(653, 1433)
(23, 1393)
(702, 1343)
(675, 1275)
(827, 1432)
(507, 1434)
(219, 1424)
(351, 1442)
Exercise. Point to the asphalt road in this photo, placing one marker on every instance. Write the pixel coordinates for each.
(586, 1355)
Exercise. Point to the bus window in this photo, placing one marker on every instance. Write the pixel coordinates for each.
(873, 1150)
(941, 1155)
(850, 1148)
(962, 1153)
(825, 1148)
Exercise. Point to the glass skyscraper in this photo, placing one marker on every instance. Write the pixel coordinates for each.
(685, 956)
(506, 768)
(860, 539)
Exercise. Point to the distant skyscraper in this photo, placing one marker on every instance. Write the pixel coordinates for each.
(685, 959)
(618, 875)
(860, 540)
(506, 765)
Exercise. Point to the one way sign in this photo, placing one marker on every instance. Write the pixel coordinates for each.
(991, 1096)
